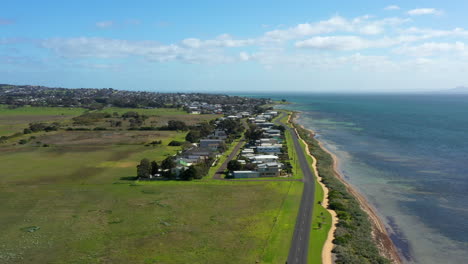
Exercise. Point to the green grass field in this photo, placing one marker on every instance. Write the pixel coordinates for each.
(75, 202)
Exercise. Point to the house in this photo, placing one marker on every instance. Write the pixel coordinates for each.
(269, 148)
(198, 153)
(270, 169)
(265, 124)
(273, 131)
(266, 141)
(210, 143)
(219, 134)
(264, 158)
(247, 151)
(259, 120)
(245, 174)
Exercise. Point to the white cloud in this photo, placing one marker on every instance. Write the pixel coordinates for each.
(105, 24)
(392, 7)
(222, 41)
(424, 11)
(334, 43)
(346, 43)
(361, 25)
(150, 50)
(244, 56)
(433, 49)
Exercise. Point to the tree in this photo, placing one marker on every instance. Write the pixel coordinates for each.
(253, 133)
(154, 168)
(189, 174)
(234, 165)
(168, 163)
(222, 147)
(176, 125)
(144, 169)
(193, 136)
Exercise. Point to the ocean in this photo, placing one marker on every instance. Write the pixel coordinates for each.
(408, 155)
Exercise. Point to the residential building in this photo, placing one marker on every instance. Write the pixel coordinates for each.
(245, 174)
(269, 148)
(270, 169)
(211, 143)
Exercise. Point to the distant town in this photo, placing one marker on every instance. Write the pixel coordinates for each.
(94, 99)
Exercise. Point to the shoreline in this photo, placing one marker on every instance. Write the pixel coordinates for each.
(379, 232)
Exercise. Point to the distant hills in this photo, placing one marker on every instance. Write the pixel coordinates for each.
(457, 90)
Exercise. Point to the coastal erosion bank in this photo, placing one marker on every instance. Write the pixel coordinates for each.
(361, 234)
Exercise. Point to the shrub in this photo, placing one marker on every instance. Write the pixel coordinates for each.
(175, 143)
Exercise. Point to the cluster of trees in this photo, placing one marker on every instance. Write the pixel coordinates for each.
(39, 126)
(233, 128)
(353, 236)
(199, 131)
(175, 125)
(253, 133)
(147, 168)
(134, 118)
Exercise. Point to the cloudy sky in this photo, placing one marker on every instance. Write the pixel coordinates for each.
(236, 45)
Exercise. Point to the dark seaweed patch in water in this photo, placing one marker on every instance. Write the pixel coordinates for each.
(399, 239)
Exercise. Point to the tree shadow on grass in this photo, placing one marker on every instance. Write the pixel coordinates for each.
(129, 178)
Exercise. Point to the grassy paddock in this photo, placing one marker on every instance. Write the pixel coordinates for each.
(77, 199)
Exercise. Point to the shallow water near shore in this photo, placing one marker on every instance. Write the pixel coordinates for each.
(408, 155)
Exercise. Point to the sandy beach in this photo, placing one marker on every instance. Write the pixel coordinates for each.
(379, 232)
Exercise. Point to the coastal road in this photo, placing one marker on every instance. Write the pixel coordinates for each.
(299, 249)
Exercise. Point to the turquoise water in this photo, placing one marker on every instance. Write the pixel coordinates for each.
(408, 154)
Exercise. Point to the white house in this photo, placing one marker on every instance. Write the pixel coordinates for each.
(264, 158)
(245, 174)
(269, 148)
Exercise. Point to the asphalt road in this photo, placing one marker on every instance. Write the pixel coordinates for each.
(219, 174)
(299, 250)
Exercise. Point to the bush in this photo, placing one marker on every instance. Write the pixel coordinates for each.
(175, 143)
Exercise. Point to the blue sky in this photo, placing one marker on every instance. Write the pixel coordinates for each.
(230, 46)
